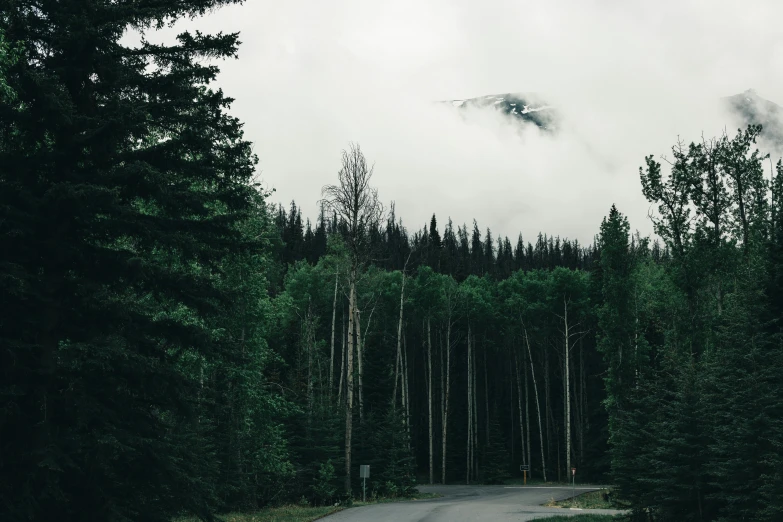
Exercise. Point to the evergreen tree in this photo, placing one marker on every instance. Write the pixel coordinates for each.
(122, 182)
(615, 315)
(477, 254)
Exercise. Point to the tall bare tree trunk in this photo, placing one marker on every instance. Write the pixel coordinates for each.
(349, 382)
(511, 411)
(538, 406)
(429, 393)
(399, 340)
(519, 402)
(321, 393)
(470, 418)
(342, 361)
(527, 418)
(309, 343)
(334, 317)
(445, 390)
(547, 406)
(361, 343)
(577, 422)
(585, 414)
(406, 392)
(567, 379)
(486, 394)
(358, 320)
(474, 389)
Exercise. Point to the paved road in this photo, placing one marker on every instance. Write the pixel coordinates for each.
(470, 504)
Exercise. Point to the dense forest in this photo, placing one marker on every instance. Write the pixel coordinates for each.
(172, 342)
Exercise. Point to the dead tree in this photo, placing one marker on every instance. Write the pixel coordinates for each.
(357, 205)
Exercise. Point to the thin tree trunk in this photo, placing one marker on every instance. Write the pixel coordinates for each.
(519, 402)
(407, 388)
(447, 388)
(361, 341)
(342, 361)
(359, 347)
(309, 343)
(538, 405)
(585, 408)
(399, 340)
(331, 355)
(511, 411)
(404, 375)
(429, 393)
(636, 338)
(474, 389)
(547, 408)
(321, 394)
(486, 395)
(577, 422)
(468, 459)
(580, 401)
(349, 382)
(527, 419)
(567, 379)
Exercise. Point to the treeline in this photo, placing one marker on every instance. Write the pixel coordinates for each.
(693, 347)
(172, 343)
(458, 253)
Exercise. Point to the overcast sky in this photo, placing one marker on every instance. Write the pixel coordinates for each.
(627, 76)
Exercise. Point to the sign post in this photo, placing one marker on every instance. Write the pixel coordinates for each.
(364, 474)
(524, 469)
(573, 481)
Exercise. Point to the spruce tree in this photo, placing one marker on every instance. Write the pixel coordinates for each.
(615, 315)
(122, 179)
(496, 458)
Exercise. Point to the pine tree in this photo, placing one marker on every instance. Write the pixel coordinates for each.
(385, 446)
(122, 179)
(615, 315)
(477, 255)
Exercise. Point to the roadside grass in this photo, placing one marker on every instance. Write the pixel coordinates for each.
(276, 514)
(298, 513)
(384, 500)
(519, 481)
(581, 518)
(590, 500)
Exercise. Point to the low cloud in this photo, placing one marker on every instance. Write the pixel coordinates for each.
(627, 80)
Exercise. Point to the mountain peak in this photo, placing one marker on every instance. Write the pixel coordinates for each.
(528, 107)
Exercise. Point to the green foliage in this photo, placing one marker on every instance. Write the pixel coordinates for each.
(325, 487)
(386, 448)
(697, 434)
(9, 56)
(132, 274)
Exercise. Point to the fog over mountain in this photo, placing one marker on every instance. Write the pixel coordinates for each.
(625, 79)
(750, 108)
(529, 108)
(745, 108)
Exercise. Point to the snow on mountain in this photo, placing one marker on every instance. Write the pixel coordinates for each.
(528, 107)
(748, 107)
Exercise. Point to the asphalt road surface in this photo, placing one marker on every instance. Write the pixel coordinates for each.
(471, 504)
